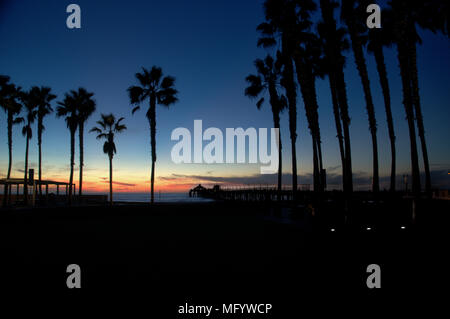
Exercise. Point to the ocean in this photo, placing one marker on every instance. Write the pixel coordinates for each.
(159, 197)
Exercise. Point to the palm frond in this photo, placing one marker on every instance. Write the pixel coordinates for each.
(136, 94)
(156, 75)
(167, 82)
(135, 109)
(95, 130)
(259, 103)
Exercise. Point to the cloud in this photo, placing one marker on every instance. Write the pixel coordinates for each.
(361, 180)
(106, 180)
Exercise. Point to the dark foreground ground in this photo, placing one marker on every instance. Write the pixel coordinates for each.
(161, 257)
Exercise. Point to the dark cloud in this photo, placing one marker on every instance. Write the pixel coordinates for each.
(120, 183)
(361, 180)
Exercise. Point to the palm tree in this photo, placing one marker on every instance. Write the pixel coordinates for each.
(334, 44)
(281, 20)
(108, 127)
(354, 13)
(268, 80)
(432, 15)
(158, 89)
(378, 38)
(307, 58)
(44, 97)
(68, 108)
(9, 95)
(86, 106)
(30, 101)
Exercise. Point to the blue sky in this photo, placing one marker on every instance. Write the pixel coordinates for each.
(209, 46)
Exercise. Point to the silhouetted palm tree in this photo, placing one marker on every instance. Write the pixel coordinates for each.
(9, 95)
(86, 106)
(9, 101)
(268, 80)
(30, 101)
(281, 20)
(158, 89)
(378, 38)
(108, 127)
(354, 14)
(44, 97)
(432, 15)
(69, 109)
(334, 44)
(428, 14)
(307, 58)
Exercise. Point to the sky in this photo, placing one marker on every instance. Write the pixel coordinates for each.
(209, 47)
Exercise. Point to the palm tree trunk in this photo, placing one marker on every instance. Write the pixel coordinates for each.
(40, 154)
(276, 122)
(10, 125)
(362, 70)
(418, 113)
(25, 184)
(316, 173)
(316, 127)
(292, 102)
(110, 182)
(381, 67)
(337, 120)
(72, 163)
(81, 138)
(408, 104)
(152, 119)
(8, 176)
(343, 105)
(303, 77)
(322, 177)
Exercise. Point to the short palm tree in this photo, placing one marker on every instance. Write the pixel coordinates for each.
(68, 108)
(268, 80)
(108, 126)
(86, 106)
(44, 97)
(158, 89)
(30, 101)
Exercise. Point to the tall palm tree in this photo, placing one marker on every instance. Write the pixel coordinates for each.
(378, 38)
(353, 13)
(401, 30)
(280, 22)
(268, 80)
(334, 44)
(9, 101)
(86, 106)
(158, 89)
(432, 15)
(69, 109)
(428, 14)
(30, 101)
(307, 58)
(9, 95)
(108, 127)
(44, 97)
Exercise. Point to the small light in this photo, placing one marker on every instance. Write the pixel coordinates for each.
(332, 229)
(368, 228)
(403, 227)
